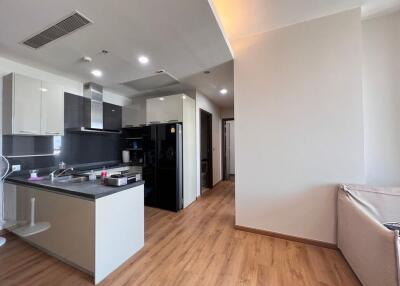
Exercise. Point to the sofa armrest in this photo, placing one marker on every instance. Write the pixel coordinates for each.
(369, 247)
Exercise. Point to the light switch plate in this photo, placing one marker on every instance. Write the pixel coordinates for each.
(16, 168)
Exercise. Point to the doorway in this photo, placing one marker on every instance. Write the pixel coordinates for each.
(206, 162)
(228, 149)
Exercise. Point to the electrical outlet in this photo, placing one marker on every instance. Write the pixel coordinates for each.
(16, 168)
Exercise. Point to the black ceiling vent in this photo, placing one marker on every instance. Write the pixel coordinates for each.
(64, 27)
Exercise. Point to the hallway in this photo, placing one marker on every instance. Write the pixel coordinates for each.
(197, 246)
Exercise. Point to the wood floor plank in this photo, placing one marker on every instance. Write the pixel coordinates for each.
(197, 246)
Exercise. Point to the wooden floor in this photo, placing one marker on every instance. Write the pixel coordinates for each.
(197, 246)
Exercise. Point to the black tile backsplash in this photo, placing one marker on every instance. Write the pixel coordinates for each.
(80, 148)
(72, 148)
(26, 145)
(29, 163)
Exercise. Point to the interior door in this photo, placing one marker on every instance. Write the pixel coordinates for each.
(227, 150)
(206, 149)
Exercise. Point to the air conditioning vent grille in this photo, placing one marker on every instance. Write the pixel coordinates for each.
(62, 28)
(73, 22)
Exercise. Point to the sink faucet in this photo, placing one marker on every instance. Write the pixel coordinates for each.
(61, 167)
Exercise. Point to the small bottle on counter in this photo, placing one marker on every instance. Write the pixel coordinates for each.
(103, 175)
(92, 176)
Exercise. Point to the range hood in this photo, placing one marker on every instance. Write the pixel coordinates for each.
(93, 110)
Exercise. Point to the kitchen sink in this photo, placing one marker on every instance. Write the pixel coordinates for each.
(70, 179)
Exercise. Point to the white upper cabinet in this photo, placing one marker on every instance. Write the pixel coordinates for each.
(27, 105)
(32, 106)
(164, 109)
(52, 109)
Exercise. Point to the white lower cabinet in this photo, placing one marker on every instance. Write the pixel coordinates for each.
(95, 236)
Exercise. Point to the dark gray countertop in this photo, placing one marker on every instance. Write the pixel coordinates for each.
(87, 189)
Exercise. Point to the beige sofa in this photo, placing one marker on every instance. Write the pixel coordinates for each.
(369, 247)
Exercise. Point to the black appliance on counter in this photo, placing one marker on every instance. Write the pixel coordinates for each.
(162, 166)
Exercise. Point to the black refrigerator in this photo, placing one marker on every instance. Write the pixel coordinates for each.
(162, 166)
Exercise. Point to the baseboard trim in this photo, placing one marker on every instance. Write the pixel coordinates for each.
(217, 183)
(287, 237)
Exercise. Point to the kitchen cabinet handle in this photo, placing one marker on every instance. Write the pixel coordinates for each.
(27, 132)
(53, 133)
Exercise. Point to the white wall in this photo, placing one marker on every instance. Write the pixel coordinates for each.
(299, 125)
(381, 83)
(135, 113)
(227, 112)
(202, 102)
(114, 98)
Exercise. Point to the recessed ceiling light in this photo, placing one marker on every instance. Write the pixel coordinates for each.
(161, 98)
(143, 60)
(223, 91)
(87, 59)
(183, 96)
(97, 73)
(43, 89)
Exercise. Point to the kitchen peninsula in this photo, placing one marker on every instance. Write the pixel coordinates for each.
(93, 227)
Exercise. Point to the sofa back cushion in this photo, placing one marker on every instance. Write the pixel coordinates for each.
(381, 203)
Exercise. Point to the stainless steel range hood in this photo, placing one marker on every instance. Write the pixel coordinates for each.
(93, 117)
(93, 110)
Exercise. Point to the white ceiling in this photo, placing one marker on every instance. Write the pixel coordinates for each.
(210, 84)
(372, 8)
(243, 18)
(181, 37)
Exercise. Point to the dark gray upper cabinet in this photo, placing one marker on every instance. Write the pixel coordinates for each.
(75, 113)
(112, 116)
(74, 110)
